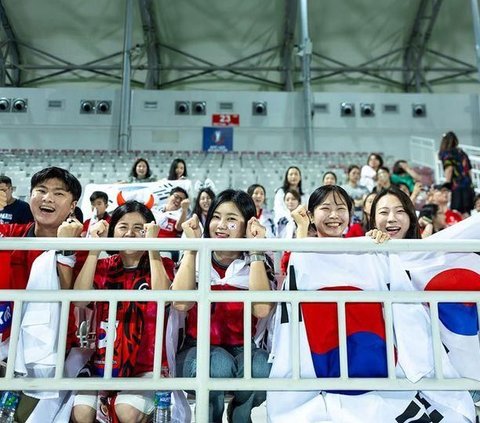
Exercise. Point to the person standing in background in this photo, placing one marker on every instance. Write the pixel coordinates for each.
(457, 169)
(15, 210)
(368, 173)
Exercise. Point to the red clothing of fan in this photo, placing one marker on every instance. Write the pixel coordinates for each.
(135, 321)
(15, 271)
(226, 319)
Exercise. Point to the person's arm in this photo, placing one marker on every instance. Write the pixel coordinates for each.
(416, 177)
(258, 279)
(158, 275)
(416, 191)
(3, 200)
(448, 172)
(86, 275)
(185, 204)
(300, 216)
(185, 277)
(71, 228)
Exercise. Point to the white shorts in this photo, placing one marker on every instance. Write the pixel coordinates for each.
(143, 401)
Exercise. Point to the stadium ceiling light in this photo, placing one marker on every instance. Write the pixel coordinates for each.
(367, 109)
(419, 110)
(347, 109)
(20, 105)
(103, 107)
(259, 108)
(182, 108)
(4, 105)
(199, 108)
(87, 106)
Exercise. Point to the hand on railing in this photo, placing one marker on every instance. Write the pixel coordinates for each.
(378, 236)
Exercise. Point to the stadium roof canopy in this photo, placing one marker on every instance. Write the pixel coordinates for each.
(356, 45)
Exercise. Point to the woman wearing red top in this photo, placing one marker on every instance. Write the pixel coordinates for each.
(135, 321)
(232, 215)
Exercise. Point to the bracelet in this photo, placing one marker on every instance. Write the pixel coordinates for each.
(257, 257)
(66, 260)
(66, 253)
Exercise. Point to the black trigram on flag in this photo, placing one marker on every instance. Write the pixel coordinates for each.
(419, 411)
(163, 192)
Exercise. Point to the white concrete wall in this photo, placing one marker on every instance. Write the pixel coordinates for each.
(281, 130)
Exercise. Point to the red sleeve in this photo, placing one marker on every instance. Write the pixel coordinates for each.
(169, 266)
(355, 230)
(284, 261)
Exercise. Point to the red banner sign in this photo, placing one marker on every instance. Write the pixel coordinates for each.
(225, 120)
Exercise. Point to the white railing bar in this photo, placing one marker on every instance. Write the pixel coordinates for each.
(342, 339)
(203, 333)
(389, 339)
(436, 339)
(260, 384)
(361, 244)
(295, 342)
(159, 337)
(14, 337)
(111, 332)
(62, 338)
(247, 339)
(239, 296)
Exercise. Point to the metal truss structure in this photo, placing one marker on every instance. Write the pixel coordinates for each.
(297, 59)
(300, 65)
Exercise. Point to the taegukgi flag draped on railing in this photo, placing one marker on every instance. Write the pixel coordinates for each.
(443, 271)
(366, 346)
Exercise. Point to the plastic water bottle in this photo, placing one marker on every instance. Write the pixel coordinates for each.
(8, 406)
(163, 403)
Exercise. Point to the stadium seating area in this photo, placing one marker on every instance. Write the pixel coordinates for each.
(235, 169)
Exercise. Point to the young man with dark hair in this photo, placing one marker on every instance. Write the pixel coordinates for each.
(54, 192)
(99, 203)
(16, 210)
(173, 213)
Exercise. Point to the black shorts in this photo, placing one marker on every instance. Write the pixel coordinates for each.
(462, 199)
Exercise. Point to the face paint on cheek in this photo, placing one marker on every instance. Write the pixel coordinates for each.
(232, 226)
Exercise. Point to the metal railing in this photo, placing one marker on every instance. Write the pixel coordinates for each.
(202, 384)
(424, 153)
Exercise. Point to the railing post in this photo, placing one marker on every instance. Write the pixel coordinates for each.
(203, 335)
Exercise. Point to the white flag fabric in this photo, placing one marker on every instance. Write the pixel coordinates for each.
(37, 343)
(444, 271)
(366, 348)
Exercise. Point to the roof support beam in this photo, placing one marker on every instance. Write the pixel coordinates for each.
(124, 129)
(151, 43)
(9, 50)
(291, 7)
(476, 29)
(413, 74)
(305, 51)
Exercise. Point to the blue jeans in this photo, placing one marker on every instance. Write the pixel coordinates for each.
(227, 362)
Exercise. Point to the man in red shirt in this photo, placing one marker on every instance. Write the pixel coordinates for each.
(54, 192)
(440, 195)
